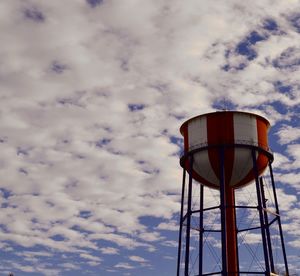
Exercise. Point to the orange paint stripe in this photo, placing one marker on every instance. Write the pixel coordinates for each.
(213, 138)
(231, 234)
(186, 139)
(220, 130)
(262, 133)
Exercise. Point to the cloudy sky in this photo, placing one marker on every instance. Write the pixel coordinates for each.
(93, 93)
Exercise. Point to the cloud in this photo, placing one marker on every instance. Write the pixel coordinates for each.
(70, 266)
(288, 134)
(109, 251)
(171, 226)
(124, 266)
(137, 259)
(90, 257)
(92, 95)
(290, 178)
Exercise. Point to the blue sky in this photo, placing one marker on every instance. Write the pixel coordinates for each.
(93, 93)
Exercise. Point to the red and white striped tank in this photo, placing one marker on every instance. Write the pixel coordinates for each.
(205, 133)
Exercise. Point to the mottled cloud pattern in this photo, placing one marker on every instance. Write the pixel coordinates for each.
(92, 96)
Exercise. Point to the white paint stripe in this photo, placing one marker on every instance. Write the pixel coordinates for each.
(197, 136)
(245, 128)
(245, 132)
(203, 167)
(197, 132)
(242, 165)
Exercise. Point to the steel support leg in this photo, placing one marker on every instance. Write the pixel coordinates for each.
(181, 222)
(266, 221)
(237, 242)
(188, 217)
(279, 220)
(261, 215)
(201, 230)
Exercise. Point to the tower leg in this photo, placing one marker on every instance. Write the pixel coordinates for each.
(181, 223)
(188, 217)
(201, 230)
(266, 221)
(261, 215)
(279, 220)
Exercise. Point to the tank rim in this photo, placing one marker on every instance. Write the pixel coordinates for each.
(223, 111)
(266, 151)
(185, 155)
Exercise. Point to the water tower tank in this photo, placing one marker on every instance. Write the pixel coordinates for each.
(226, 150)
(204, 135)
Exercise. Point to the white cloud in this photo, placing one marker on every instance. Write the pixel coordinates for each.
(93, 263)
(70, 266)
(294, 152)
(77, 166)
(291, 179)
(90, 257)
(124, 266)
(171, 226)
(281, 161)
(109, 251)
(170, 243)
(288, 134)
(137, 259)
(253, 238)
(150, 236)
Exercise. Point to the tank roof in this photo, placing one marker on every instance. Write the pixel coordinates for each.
(223, 111)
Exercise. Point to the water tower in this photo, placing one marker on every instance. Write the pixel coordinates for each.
(226, 151)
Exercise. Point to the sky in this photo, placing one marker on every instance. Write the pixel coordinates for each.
(93, 93)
